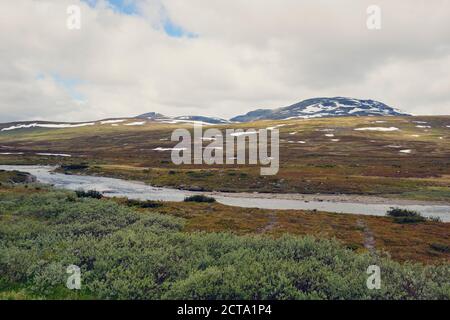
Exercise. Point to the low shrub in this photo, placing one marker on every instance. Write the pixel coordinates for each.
(353, 246)
(403, 220)
(435, 219)
(199, 198)
(89, 194)
(403, 216)
(397, 212)
(440, 247)
(74, 167)
(123, 254)
(143, 204)
(13, 177)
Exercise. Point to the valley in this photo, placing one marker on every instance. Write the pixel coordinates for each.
(322, 162)
(328, 156)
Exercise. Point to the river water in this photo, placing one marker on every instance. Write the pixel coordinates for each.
(137, 190)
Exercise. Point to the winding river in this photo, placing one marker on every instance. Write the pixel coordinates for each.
(138, 190)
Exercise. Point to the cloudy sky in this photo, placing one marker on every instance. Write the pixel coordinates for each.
(218, 57)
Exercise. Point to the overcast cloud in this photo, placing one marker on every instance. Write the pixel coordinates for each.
(218, 57)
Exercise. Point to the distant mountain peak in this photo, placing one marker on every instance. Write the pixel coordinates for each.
(321, 108)
(209, 120)
(181, 119)
(151, 116)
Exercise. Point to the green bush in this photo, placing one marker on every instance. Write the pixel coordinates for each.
(404, 220)
(143, 204)
(397, 212)
(440, 247)
(435, 219)
(199, 198)
(89, 194)
(69, 167)
(124, 254)
(403, 216)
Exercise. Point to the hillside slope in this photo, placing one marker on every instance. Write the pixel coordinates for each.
(321, 108)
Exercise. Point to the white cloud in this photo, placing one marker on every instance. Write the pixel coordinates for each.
(248, 54)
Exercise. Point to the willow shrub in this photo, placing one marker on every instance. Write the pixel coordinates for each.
(124, 254)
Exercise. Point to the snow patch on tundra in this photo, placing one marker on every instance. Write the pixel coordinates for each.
(394, 146)
(112, 121)
(139, 123)
(169, 149)
(10, 153)
(275, 127)
(54, 154)
(238, 134)
(48, 125)
(382, 129)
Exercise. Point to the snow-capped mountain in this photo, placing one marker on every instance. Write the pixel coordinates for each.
(211, 120)
(151, 116)
(322, 107)
(311, 108)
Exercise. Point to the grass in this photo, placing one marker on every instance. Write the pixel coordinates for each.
(403, 242)
(127, 253)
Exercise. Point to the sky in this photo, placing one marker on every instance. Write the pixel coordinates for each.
(218, 57)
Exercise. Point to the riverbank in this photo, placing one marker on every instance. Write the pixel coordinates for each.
(342, 198)
(119, 173)
(113, 187)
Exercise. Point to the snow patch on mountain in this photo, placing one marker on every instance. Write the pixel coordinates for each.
(322, 107)
(112, 121)
(200, 120)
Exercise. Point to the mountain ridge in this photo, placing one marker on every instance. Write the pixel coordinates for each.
(309, 108)
(321, 108)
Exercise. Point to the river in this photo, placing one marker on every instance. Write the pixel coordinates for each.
(137, 190)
